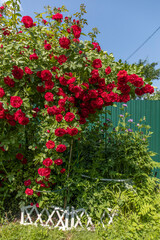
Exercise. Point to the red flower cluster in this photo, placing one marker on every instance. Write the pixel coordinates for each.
(8, 81)
(58, 161)
(2, 92)
(16, 101)
(46, 75)
(28, 21)
(33, 56)
(72, 131)
(62, 59)
(44, 172)
(64, 42)
(58, 17)
(29, 191)
(69, 117)
(28, 70)
(27, 182)
(50, 144)
(17, 72)
(60, 132)
(47, 162)
(49, 97)
(61, 148)
(96, 46)
(47, 46)
(108, 70)
(76, 31)
(97, 63)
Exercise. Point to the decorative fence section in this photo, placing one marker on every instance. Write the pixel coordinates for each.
(56, 217)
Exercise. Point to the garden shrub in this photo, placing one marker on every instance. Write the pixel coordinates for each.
(51, 86)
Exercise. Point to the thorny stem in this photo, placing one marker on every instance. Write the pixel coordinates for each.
(68, 174)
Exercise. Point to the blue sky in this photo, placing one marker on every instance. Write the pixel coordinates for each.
(124, 25)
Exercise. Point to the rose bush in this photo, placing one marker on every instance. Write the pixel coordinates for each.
(51, 84)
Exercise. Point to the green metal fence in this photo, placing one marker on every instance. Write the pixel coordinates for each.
(138, 109)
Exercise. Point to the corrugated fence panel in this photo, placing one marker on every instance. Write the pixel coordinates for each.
(139, 109)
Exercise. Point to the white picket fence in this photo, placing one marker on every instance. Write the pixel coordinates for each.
(56, 217)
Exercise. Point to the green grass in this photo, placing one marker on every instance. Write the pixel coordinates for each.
(15, 231)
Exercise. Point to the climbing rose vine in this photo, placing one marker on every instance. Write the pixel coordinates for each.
(51, 83)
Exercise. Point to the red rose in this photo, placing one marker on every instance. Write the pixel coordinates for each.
(93, 93)
(124, 98)
(19, 114)
(69, 117)
(122, 73)
(64, 42)
(28, 70)
(27, 182)
(47, 162)
(63, 170)
(96, 46)
(63, 81)
(46, 75)
(6, 33)
(57, 17)
(95, 73)
(61, 148)
(33, 56)
(37, 205)
(23, 120)
(17, 72)
(59, 117)
(71, 80)
(108, 70)
(19, 156)
(49, 97)
(2, 92)
(112, 97)
(44, 172)
(125, 89)
(28, 21)
(2, 114)
(99, 103)
(72, 131)
(40, 89)
(53, 110)
(60, 132)
(58, 161)
(101, 82)
(29, 191)
(44, 21)
(38, 194)
(148, 89)
(122, 77)
(110, 87)
(82, 120)
(50, 144)
(49, 85)
(139, 91)
(62, 59)
(16, 101)
(76, 31)
(47, 46)
(61, 92)
(76, 40)
(9, 81)
(84, 113)
(97, 63)
(24, 161)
